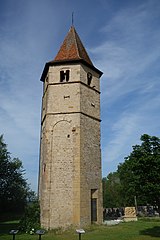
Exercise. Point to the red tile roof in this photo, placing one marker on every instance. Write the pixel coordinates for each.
(72, 49)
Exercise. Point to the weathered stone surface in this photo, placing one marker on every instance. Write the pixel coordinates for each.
(130, 214)
(70, 158)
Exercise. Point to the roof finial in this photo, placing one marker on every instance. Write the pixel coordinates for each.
(72, 18)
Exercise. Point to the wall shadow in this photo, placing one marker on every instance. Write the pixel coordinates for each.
(153, 232)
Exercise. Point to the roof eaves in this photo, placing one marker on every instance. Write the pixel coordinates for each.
(59, 62)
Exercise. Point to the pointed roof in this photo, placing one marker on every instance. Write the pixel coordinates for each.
(71, 51)
(72, 48)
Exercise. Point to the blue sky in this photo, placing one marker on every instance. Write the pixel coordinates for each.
(122, 38)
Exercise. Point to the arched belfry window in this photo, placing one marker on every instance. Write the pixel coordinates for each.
(64, 76)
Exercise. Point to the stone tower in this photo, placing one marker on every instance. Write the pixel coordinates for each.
(70, 190)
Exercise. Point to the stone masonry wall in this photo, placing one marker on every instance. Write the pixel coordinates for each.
(70, 163)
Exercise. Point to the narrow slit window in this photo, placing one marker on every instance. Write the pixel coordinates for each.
(89, 78)
(44, 168)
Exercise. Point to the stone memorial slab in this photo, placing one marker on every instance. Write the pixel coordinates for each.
(130, 214)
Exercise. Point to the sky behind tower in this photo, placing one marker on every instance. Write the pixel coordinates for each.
(122, 37)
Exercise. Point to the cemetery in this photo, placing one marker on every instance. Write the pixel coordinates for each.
(119, 223)
(144, 228)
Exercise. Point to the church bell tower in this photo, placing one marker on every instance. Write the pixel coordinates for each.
(70, 189)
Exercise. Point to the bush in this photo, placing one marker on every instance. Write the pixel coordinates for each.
(31, 218)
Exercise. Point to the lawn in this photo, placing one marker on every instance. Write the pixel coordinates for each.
(148, 229)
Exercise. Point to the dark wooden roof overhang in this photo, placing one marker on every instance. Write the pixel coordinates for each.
(56, 63)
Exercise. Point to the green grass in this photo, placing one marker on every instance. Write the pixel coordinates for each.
(148, 229)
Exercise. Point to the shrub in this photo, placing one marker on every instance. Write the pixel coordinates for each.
(31, 217)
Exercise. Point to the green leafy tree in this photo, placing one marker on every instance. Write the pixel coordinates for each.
(13, 186)
(140, 173)
(112, 191)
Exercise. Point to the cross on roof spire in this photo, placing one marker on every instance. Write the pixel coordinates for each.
(72, 18)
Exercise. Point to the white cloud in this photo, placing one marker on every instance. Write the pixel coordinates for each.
(31, 34)
(126, 131)
(128, 56)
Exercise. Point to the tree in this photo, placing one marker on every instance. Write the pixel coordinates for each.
(112, 191)
(140, 173)
(13, 186)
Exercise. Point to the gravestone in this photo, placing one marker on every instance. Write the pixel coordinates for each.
(130, 214)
